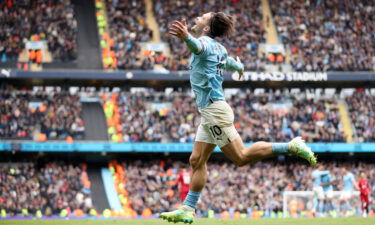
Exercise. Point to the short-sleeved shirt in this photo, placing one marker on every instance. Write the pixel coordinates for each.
(348, 182)
(317, 174)
(326, 179)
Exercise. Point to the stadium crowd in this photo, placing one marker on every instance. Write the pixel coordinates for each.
(157, 117)
(39, 20)
(267, 117)
(26, 115)
(330, 35)
(26, 188)
(127, 31)
(248, 17)
(151, 184)
(362, 112)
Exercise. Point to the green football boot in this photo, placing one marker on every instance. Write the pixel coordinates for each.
(182, 214)
(298, 147)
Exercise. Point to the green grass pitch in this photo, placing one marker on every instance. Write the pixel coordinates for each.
(320, 221)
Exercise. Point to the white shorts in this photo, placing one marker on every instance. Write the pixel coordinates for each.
(328, 194)
(346, 195)
(217, 124)
(319, 193)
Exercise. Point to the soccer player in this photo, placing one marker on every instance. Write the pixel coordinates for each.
(347, 191)
(327, 182)
(364, 188)
(183, 181)
(318, 190)
(208, 62)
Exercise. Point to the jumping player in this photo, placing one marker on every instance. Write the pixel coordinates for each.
(364, 188)
(208, 62)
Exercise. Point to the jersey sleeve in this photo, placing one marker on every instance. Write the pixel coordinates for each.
(233, 65)
(195, 45)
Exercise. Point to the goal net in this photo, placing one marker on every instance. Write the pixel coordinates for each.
(301, 203)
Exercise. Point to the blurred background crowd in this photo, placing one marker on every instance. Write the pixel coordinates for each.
(26, 115)
(327, 35)
(149, 116)
(152, 184)
(26, 188)
(39, 20)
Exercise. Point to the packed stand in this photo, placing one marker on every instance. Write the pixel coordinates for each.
(329, 35)
(26, 189)
(361, 107)
(249, 31)
(30, 115)
(152, 184)
(141, 123)
(127, 27)
(39, 20)
(316, 120)
(257, 117)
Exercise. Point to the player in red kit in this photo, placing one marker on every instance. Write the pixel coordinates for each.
(183, 181)
(364, 188)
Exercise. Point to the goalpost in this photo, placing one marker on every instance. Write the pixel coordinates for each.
(300, 203)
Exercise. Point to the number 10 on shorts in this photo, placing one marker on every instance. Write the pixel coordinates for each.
(216, 131)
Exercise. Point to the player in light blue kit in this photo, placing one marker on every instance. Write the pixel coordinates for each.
(208, 62)
(318, 190)
(326, 183)
(349, 183)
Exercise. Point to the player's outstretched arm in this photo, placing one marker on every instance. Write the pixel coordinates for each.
(235, 65)
(179, 29)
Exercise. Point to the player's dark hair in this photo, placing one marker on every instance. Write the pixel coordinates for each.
(221, 24)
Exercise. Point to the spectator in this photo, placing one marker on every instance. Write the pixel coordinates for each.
(128, 31)
(362, 113)
(51, 21)
(248, 16)
(23, 115)
(266, 117)
(151, 184)
(53, 187)
(327, 35)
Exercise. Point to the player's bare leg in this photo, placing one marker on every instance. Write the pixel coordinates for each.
(198, 161)
(241, 155)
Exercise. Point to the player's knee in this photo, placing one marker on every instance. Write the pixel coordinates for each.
(241, 159)
(194, 162)
(240, 162)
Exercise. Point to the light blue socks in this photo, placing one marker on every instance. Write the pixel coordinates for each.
(280, 148)
(192, 199)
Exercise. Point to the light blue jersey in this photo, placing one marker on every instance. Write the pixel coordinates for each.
(207, 69)
(348, 182)
(326, 179)
(206, 72)
(317, 175)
